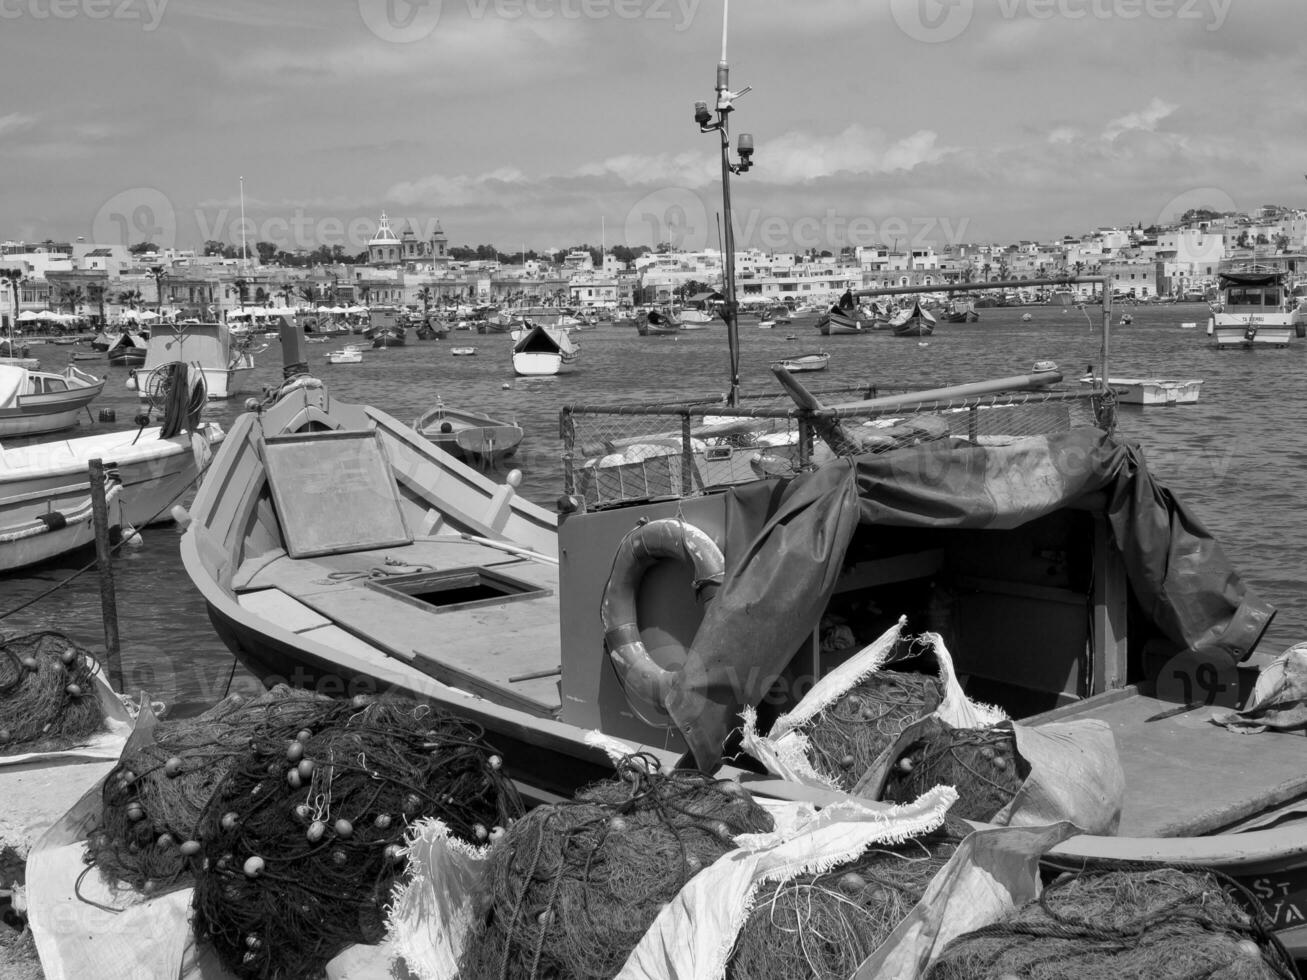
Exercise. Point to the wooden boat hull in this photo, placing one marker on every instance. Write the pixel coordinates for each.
(1250, 333)
(40, 410)
(914, 329)
(806, 362)
(837, 322)
(153, 472)
(473, 437)
(1152, 391)
(38, 537)
(543, 351)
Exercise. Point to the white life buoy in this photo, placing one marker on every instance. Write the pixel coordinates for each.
(646, 683)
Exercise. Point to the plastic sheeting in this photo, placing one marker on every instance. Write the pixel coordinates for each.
(793, 543)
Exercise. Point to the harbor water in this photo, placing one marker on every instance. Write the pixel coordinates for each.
(1238, 457)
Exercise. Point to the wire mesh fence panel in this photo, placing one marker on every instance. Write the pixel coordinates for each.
(617, 455)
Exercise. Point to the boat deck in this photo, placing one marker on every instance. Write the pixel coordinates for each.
(467, 638)
(1186, 776)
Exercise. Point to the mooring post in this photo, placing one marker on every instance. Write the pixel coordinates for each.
(103, 556)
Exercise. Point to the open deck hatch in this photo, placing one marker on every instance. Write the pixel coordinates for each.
(455, 589)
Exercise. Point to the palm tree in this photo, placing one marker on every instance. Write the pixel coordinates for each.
(73, 296)
(98, 291)
(426, 294)
(158, 274)
(286, 292)
(130, 297)
(308, 293)
(242, 287)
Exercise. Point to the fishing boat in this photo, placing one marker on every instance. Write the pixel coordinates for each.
(222, 360)
(816, 361)
(658, 323)
(430, 329)
(154, 466)
(766, 323)
(349, 354)
(36, 530)
(462, 351)
(1254, 311)
(128, 349)
(36, 402)
(544, 351)
(473, 437)
(1151, 391)
(913, 322)
(839, 320)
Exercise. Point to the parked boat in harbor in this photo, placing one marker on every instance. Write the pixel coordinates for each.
(36, 402)
(1151, 391)
(349, 354)
(223, 360)
(473, 437)
(36, 529)
(815, 361)
(913, 322)
(543, 351)
(1255, 311)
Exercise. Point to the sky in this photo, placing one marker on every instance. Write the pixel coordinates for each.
(548, 123)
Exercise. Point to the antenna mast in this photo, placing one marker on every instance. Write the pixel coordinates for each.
(725, 105)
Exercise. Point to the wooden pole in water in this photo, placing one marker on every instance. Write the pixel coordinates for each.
(103, 557)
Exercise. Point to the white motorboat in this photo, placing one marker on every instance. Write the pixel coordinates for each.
(36, 402)
(1255, 311)
(33, 531)
(223, 359)
(349, 354)
(1151, 391)
(545, 351)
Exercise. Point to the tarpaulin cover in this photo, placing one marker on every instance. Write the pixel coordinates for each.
(778, 585)
(1250, 279)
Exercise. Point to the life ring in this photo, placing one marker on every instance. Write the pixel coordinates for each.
(645, 683)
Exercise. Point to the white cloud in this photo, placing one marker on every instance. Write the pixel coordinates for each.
(1146, 119)
(15, 121)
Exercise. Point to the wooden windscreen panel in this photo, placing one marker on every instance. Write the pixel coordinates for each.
(334, 492)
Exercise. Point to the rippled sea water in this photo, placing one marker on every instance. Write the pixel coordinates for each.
(1238, 457)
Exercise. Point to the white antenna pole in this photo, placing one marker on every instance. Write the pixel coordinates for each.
(245, 255)
(603, 237)
(726, 12)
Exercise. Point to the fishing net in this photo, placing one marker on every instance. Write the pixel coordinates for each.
(824, 925)
(982, 764)
(47, 694)
(847, 737)
(574, 886)
(1157, 924)
(304, 837)
(148, 836)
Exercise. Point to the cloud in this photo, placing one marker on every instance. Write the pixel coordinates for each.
(15, 121)
(1146, 119)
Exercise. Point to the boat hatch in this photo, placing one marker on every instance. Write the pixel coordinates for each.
(455, 589)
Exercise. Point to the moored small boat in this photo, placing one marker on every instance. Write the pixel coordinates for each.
(913, 322)
(816, 361)
(543, 351)
(127, 349)
(36, 402)
(224, 360)
(36, 531)
(349, 354)
(473, 437)
(1151, 391)
(463, 351)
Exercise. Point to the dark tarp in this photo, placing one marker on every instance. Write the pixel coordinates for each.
(785, 550)
(1228, 279)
